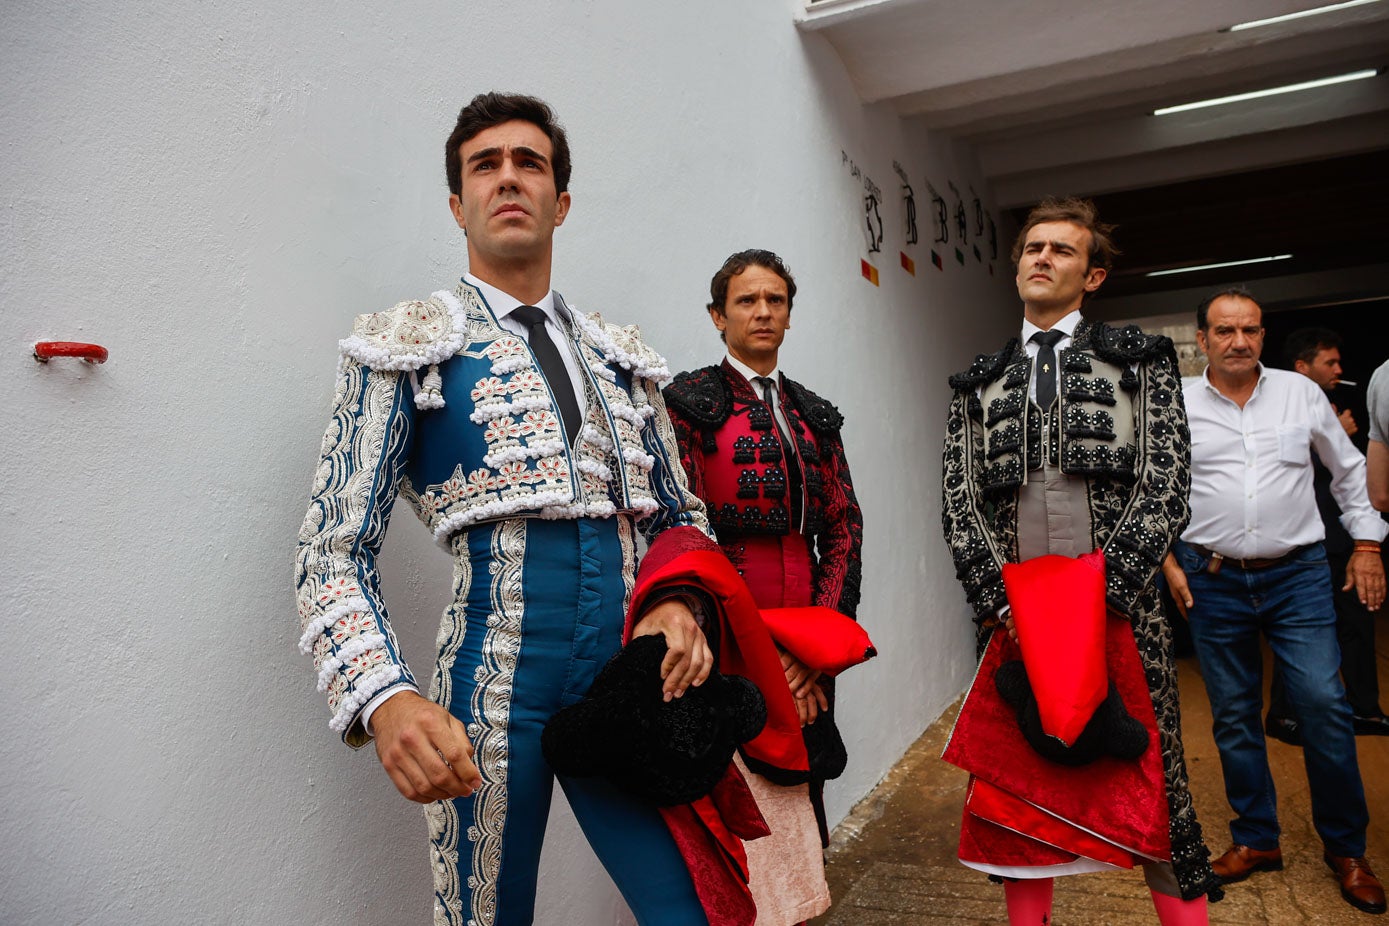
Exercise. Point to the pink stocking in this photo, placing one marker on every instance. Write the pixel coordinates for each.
(1173, 911)
(1029, 901)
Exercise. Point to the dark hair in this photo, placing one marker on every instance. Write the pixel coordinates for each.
(1305, 343)
(736, 264)
(1080, 212)
(491, 109)
(1237, 292)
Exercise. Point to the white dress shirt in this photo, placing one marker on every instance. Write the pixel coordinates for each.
(1251, 468)
(1377, 399)
(1067, 326)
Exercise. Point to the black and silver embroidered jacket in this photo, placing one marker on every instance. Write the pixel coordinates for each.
(1119, 424)
(1118, 421)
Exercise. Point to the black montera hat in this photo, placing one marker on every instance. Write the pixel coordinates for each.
(668, 752)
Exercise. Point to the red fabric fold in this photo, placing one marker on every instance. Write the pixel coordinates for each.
(983, 842)
(822, 638)
(709, 833)
(737, 807)
(745, 646)
(997, 806)
(1124, 802)
(719, 881)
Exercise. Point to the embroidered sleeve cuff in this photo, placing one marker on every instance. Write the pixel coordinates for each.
(352, 657)
(349, 708)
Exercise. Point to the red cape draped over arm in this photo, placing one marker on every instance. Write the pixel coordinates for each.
(710, 831)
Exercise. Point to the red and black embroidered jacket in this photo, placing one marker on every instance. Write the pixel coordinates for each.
(736, 462)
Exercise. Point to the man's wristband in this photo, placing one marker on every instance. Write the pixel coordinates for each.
(1367, 546)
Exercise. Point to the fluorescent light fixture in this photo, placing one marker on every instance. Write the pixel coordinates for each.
(1271, 91)
(1316, 11)
(1228, 263)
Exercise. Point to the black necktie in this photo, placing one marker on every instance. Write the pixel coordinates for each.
(1046, 366)
(791, 458)
(551, 365)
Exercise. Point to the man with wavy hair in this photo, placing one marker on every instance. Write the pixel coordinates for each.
(1068, 440)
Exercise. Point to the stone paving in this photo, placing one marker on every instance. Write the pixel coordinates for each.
(892, 861)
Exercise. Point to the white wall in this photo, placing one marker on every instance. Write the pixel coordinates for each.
(212, 191)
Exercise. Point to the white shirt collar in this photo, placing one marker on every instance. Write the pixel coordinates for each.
(749, 373)
(503, 303)
(1258, 384)
(1067, 324)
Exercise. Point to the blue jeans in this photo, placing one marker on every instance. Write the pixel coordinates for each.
(1291, 605)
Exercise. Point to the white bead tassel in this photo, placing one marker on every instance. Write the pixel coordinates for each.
(431, 391)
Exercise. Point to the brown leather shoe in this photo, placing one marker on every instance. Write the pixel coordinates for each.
(1359, 886)
(1239, 862)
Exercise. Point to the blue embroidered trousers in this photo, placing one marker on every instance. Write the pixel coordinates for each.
(538, 609)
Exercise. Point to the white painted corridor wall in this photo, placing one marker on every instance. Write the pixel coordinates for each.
(212, 192)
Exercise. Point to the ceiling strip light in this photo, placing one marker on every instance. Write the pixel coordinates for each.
(1298, 15)
(1229, 263)
(1271, 91)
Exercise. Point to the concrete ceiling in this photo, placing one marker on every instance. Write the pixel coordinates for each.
(1056, 96)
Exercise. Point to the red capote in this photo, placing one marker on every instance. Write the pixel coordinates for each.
(820, 637)
(745, 647)
(709, 835)
(1001, 808)
(1059, 610)
(1122, 801)
(710, 832)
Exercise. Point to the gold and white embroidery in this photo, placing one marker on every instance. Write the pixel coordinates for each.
(526, 468)
(627, 539)
(442, 820)
(514, 405)
(622, 345)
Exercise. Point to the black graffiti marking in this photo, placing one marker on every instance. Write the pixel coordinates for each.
(910, 196)
(940, 214)
(961, 219)
(872, 215)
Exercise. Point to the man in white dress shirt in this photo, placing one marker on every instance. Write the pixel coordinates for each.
(1252, 560)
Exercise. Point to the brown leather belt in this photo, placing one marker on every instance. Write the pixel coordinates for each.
(1218, 559)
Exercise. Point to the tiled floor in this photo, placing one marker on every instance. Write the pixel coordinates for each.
(893, 860)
